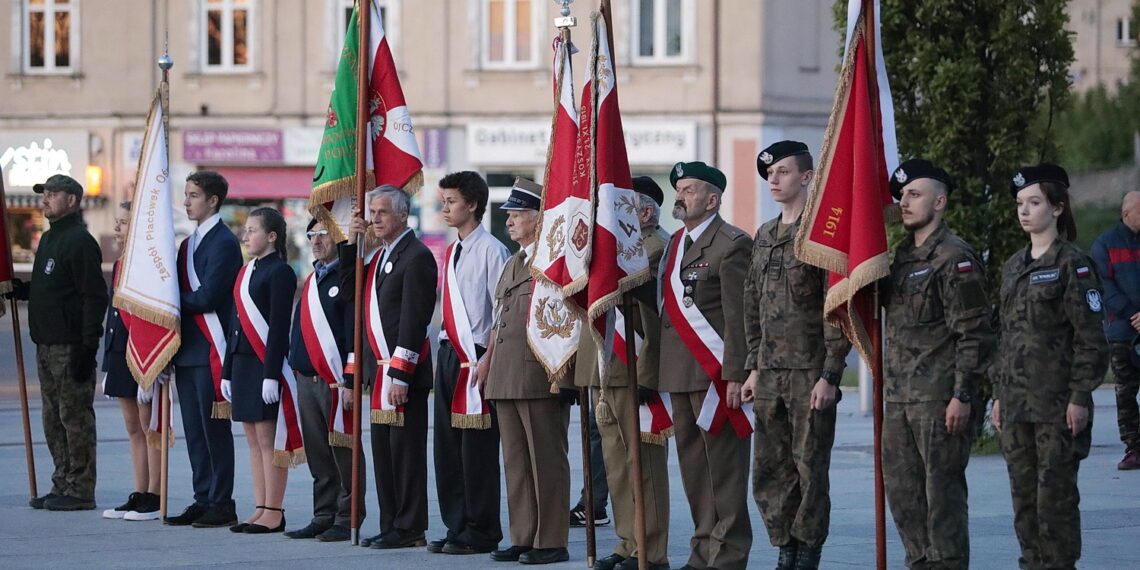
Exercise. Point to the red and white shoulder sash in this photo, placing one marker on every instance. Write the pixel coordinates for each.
(707, 347)
(324, 354)
(383, 412)
(468, 408)
(288, 448)
(211, 328)
(655, 417)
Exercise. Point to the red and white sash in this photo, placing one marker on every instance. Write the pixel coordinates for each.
(324, 354)
(155, 429)
(211, 328)
(383, 412)
(656, 416)
(288, 448)
(468, 408)
(707, 347)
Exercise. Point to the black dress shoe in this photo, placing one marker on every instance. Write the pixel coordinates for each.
(68, 503)
(367, 542)
(631, 564)
(262, 529)
(436, 545)
(545, 556)
(509, 554)
(188, 516)
(312, 530)
(335, 533)
(216, 517)
(239, 528)
(453, 547)
(608, 563)
(400, 538)
(38, 502)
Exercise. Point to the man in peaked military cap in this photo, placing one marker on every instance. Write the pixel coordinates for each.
(938, 337)
(796, 360)
(702, 330)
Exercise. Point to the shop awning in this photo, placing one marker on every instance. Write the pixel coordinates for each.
(268, 183)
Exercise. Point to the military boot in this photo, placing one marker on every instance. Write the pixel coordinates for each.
(807, 557)
(787, 559)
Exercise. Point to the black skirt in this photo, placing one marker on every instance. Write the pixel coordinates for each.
(245, 389)
(120, 382)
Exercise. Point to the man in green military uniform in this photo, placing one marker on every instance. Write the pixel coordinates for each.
(67, 299)
(938, 337)
(615, 433)
(795, 361)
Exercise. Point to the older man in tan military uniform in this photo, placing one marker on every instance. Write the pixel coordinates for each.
(615, 433)
(533, 419)
(938, 337)
(702, 332)
(796, 361)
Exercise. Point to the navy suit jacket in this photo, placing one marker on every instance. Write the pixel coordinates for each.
(406, 295)
(216, 261)
(333, 305)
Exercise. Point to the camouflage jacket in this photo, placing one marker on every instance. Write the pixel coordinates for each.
(1053, 349)
(783, 309)
(938, 332)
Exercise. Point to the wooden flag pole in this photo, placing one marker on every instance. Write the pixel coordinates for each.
(363, 18)
(164, 63)
(634, 427)
(18, 341)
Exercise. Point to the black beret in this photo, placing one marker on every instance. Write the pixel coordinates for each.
(700, 171)
(647, 186)
(59, 183)
(525, 195)
(777, 152)
(915, 169)
(312, 223)
(1044, 172)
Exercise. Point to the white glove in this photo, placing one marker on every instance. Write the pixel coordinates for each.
(144, 396)
(270, 391)
(163, 376)
(226, 393)
(103, 387)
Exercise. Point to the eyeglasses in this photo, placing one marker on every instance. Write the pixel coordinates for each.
(312, 233)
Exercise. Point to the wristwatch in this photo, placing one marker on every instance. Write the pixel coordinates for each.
(832, 378)
(962, 396)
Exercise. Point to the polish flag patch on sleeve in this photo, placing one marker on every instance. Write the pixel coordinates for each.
(965, 266)
(1083, 271)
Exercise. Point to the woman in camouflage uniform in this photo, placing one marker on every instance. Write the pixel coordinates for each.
(1053, 354)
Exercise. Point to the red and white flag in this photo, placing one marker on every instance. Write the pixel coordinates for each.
(5, 248)
(559, 260)
(655, 416)
(850, 202)
(146, 285)
(394, 156)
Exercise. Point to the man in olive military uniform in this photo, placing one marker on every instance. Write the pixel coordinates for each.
(615, 434)
(67, 298)
(702, 332)
(795, 361)
(938, 337)
(533, 418)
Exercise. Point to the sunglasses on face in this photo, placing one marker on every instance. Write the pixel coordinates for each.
(313, 233)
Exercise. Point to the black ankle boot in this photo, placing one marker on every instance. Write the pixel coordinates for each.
(808, 557)
(787, 559)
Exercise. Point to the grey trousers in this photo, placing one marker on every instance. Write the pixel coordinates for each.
(330, 466)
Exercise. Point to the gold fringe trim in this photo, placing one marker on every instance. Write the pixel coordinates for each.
(337, 439)
(414, 184)
(289, 459)
(656, 438)
(221, 411)
(388, 417)
(474, 421)
(153, 439)
(5, 287)
(146, 378)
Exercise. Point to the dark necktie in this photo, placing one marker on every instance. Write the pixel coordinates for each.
(458, 250)
(688, 244)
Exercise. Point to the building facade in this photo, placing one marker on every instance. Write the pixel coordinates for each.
(1104, 41)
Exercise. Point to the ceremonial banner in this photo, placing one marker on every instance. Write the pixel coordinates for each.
(394, 157)
(5, 248)
(843, 228)
(557, 263)
(146, 286)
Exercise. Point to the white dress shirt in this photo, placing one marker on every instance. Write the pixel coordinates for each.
(481, 262)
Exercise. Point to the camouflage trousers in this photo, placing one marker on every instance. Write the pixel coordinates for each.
(1042, 460)
(792, 457)
(924, 476)
(69, 420)
(1127, 386)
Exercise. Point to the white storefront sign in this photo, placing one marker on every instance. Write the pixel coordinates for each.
(525, 142)
(31, 157)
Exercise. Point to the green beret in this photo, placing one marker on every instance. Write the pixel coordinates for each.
(700, 171)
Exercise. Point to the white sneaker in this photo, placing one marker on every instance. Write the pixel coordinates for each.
(114, 513)
(138, 516)
(121, 510)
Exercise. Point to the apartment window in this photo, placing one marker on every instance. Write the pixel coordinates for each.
(510, 33)
(344, 17)
(662, 31)
(227, 32)
(51, 36)
(1125, 32)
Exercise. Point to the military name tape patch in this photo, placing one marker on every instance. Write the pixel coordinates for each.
(1092, 296)
(1044, 276)
(919, 273)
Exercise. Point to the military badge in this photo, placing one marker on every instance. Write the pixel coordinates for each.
(900, 176)
(49, 266)
(1019, 180)
(1092, 296)
(766, 158)
(688, 301)
(679, 170)
(333, 291)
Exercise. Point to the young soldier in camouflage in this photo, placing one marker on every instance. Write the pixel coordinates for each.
(938, 336)
(1053, 355)
(795, 361)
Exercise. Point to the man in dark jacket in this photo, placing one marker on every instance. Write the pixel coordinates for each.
(67, 298)
(1117, 257)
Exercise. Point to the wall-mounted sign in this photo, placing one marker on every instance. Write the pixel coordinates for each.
(525, 142)
(31, 157)
(233, 146)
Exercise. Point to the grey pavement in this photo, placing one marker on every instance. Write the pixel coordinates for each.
(40, 539)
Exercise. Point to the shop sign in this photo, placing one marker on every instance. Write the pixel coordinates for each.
(31, 157)
(233, 146)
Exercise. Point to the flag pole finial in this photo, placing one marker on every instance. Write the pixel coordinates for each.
(165, 62)
(566, 21)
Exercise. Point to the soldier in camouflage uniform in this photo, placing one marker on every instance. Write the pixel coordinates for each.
(938, 336)
(795, 361)
(1053, 354)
